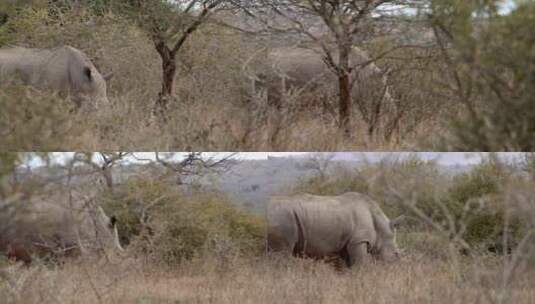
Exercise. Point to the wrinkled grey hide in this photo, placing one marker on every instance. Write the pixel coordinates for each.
(63, 69)
(303, 73)
(56, 226)
(351, 226)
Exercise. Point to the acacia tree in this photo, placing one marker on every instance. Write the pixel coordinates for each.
(169, 25)
(192, 164)
(103, 164)
(335, 27)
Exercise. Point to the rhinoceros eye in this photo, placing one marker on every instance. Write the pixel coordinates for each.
(88, 73)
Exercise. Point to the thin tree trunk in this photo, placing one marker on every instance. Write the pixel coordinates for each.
(345, 104)
(344, 91)
(3, 18)
(376, 115)
(168, 75)
(169, 72)
(108, 178)
(371, 130)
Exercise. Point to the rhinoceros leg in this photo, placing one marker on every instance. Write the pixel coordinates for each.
(286, 236)
(357, 253)
(278, 243)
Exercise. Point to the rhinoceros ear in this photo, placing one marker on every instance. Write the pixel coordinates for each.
(397, 221)
(108, 76)
(88, 74)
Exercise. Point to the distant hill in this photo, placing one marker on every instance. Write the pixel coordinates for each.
(252, 182)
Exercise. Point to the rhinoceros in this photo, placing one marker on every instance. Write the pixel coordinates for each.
(64, 69)
(303, 74)
(58, 225)
(351, 226)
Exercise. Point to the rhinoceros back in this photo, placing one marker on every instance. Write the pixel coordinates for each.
(322, 225)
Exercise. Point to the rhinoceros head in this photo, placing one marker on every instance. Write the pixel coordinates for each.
(108, 226)
(385, 247)
(86, 82)
(92, 86)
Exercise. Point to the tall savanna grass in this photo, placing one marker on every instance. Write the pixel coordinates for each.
(469, 239)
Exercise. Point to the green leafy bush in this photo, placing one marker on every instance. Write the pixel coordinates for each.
(157, 220)
(492, 55)
(476, 201)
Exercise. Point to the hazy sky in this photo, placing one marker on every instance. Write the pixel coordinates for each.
(449, 158)
(445, 158)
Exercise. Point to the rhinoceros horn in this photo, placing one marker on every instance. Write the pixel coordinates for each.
(108, 76)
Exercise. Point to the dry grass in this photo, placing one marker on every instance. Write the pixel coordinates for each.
(212, 111)
(204, 123)
(432, 269)
(416, 279)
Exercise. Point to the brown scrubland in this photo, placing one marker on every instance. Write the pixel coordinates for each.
(416, 279)
(469, 238)
(451, 87)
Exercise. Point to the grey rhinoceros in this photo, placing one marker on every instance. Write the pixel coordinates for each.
(56, 225)
(351, 226)
(64, 69)
(303, 75)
